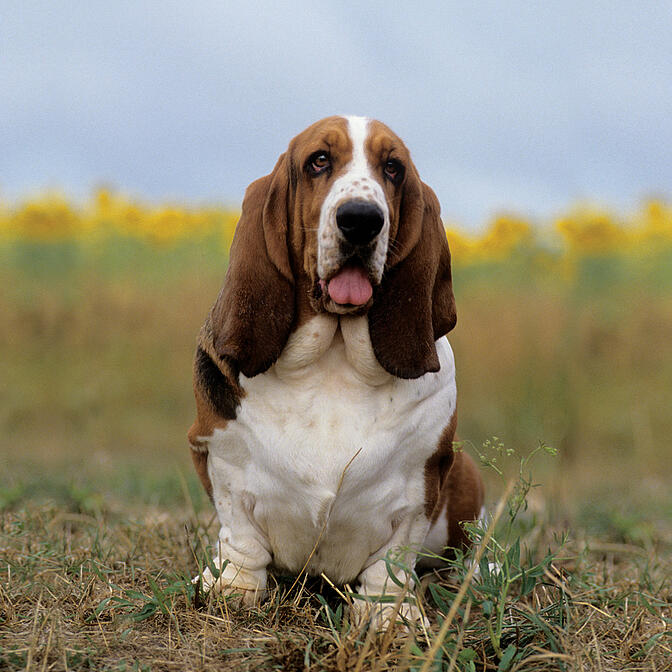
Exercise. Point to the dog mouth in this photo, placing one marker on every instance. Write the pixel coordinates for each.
(348, 290)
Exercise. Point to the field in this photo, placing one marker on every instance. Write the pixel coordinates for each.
(562, 345)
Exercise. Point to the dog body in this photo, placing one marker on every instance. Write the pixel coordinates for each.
(324, 383)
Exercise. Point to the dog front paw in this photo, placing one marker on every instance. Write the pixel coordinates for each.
(380, 616)
(245, 587)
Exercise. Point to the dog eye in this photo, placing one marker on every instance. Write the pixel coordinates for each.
(318, 163)
(394, 171)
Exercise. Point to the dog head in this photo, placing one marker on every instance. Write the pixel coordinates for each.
(342, 225)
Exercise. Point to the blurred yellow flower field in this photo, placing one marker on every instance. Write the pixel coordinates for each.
(582, 230)
(53, 218)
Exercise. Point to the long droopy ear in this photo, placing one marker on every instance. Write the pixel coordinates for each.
(414, 305)
(253, 315)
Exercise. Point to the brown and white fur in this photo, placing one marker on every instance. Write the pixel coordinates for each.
(325, 426)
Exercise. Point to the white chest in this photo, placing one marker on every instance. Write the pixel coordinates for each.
(327, 445)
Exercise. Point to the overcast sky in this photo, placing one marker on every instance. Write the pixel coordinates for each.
(517, 105)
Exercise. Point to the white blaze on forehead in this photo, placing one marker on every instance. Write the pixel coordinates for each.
(357, 182)
(358, 128)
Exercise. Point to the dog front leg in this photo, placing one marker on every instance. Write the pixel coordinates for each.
(243, 552)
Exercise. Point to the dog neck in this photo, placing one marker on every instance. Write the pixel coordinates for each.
(337, 338)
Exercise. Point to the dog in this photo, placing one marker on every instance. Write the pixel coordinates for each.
(324, 381)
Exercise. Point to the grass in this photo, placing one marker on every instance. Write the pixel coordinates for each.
(103, 522)
(106, 591)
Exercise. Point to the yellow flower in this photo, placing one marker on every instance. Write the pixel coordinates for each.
(463, 248)
(591, 231)
(49, 218)
(6, 224)
(506, 233)
(657, 221)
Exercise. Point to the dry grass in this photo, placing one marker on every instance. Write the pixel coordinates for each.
(102, 592)
(103, 522)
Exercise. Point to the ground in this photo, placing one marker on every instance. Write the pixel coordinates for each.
(103, 521)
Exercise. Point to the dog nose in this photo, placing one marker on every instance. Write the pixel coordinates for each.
(359, 221)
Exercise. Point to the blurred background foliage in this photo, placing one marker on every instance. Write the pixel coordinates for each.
(563, 335)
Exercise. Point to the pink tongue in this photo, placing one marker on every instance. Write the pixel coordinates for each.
(351, 285)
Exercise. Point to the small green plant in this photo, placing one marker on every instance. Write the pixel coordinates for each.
(139, 606)
(504, 626)
(13, 658)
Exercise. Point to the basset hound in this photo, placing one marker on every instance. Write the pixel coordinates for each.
(324, 383)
